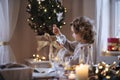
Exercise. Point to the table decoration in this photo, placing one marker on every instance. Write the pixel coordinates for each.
(113, 44)
(105, 71)
(82, 72)
(47, 46)
(37, 58)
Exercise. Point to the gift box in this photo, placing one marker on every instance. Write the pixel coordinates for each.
(113, 44)
(47, 46)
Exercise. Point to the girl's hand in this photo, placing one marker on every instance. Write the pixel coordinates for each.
(56, 30)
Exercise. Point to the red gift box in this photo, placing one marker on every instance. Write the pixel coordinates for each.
(113, 44)
(113, 40)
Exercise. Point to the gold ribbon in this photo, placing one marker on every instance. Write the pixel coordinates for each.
(50, 42)
(2, 43)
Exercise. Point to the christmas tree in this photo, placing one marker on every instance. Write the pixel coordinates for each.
(45, 13)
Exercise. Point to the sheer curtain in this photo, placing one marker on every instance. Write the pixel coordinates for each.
(9, 10)
(103, 27)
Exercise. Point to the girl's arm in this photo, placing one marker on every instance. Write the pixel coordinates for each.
(62, 39)
(69, 45)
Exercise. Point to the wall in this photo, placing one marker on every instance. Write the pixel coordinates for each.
(74, 9)
(24, 42)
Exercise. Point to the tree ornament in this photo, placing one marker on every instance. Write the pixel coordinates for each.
(59, 16)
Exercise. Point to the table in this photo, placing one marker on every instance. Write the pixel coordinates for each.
(22, 73)
(47, 74)
(38, 64)
(51, 71)
(46, 78)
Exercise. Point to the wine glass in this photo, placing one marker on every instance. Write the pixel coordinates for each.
(67, 63)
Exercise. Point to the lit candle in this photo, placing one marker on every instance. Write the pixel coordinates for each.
(71, 76)
(82, 72)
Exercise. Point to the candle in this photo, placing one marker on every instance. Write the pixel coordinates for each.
(81, 72)
(71, 76)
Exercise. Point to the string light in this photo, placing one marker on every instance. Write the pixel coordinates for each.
(31, 18)
(106, 72)
(29, 5)
(107, 77)
(96, 71)
(33, 55)
(58, 6)
(35, 26)
(65, 9)
(52, 5)
(54, 11)
(45, 10)
(100, 67)
(39, 2)
(37, 55)
(64, 23)
(35, 31)
(49, 17)
(28, 20)
(43, 58)
(117, 72)
(42, 10)
(60, 26)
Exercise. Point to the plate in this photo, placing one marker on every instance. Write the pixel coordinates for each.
(44, 72)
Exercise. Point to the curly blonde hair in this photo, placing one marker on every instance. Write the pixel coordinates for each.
(83, 26)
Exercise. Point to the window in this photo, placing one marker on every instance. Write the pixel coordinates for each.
(115, 17)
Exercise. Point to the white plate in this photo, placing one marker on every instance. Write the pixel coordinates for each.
(44, 72)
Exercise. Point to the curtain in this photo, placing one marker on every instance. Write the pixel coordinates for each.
(104, 30)
(9, 10)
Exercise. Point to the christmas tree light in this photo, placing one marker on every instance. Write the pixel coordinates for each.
(45, 13)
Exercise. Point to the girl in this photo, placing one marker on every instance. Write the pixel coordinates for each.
(82, 32)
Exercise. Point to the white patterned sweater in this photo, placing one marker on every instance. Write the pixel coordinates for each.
(80, 52)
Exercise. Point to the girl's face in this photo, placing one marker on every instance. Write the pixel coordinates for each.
(76, 36)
